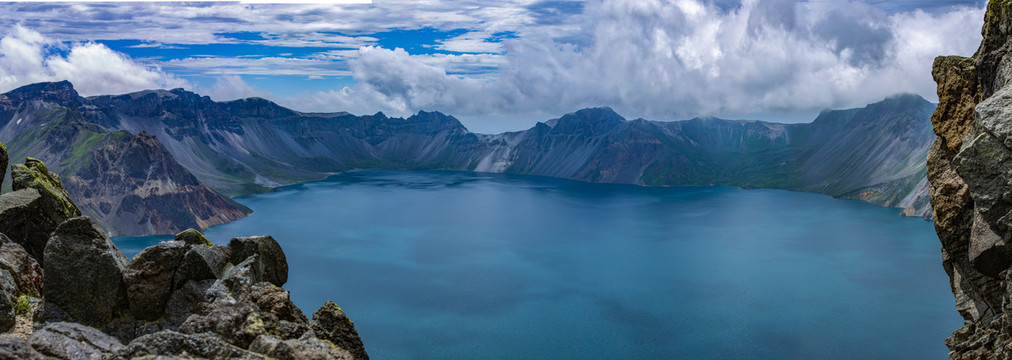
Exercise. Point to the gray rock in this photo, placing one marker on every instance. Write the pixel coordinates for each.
(28, 219)
(201, 263)
(84, 278)
(53, 207)
(310, 348)
(26, 271)
(8, 294)
(331, 324)
(271, 261)
(277, 301)
(69, 341)
(193, 237)
(986, 165)
(149, 278)
(237, 323)
(173, 344)
(988, 253)
(13, 347)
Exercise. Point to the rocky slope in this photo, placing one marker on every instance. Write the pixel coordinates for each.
(969, 168)
(67, 292)
(245, 146)
(129, 183)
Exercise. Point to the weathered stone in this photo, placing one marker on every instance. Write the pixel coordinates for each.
(72, 341)
(34, 174)
(17, 348)
(986, 166)
(241, 277)
(193, 297)
(65, 340)
(193, 237)
(988, 252)
(237, 323)
(201, 263)
(277, 301)
(8, 294)
(84, 277)
(28, 219)
(331, 324)
(171, 343)
(294, 349)
(149, 278)
(992, 58)
(271, 261)
(26, 271)
(957, 84)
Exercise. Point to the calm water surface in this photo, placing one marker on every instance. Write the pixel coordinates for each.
(452, 265)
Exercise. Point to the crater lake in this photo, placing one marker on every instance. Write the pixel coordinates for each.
(459, 265)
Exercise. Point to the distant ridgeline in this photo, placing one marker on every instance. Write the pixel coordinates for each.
(158, 161)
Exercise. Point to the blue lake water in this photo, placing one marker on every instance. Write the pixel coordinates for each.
(457, 265)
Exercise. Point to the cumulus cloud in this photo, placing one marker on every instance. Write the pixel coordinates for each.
(27, 57)
(671, 59)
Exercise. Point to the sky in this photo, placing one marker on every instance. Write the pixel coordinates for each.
(500, 65)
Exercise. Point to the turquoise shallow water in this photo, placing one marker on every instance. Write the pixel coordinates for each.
(456, 265)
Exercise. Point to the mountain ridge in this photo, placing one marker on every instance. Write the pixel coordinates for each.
(252, 145)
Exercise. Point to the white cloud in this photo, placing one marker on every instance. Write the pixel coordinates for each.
(231, 87)
(669, 60)
(212, 65)
(27, 57)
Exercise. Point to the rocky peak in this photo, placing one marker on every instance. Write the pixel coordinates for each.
(61, 92)
(432, 122)
(591, 121)
(256, 107)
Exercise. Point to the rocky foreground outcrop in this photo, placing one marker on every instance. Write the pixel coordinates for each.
(970, 173)
(67, 292)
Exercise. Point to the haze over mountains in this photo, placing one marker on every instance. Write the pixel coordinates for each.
(162, 161)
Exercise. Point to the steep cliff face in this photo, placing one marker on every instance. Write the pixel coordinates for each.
(969, 167)
(130, 184)
(134, 186)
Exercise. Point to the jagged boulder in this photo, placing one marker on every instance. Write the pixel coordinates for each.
(331, 324)
(26, 271)
(277, 301)
(149, 278)
(34, 174)
(270, 260)
(178, 345)
(201, 263)
(84, 277)
(193, 237)
(63, 340)
(28, 219)
(13, 347)
(309, 348)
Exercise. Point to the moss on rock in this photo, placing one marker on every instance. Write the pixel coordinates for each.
(193, 237)
(34, 174)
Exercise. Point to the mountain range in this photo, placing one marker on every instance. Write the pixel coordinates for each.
(160, 161)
